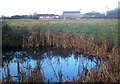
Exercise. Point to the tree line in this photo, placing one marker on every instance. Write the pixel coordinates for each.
(115, 13)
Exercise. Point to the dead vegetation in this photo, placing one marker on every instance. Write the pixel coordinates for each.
(62, 40)
(107, 71)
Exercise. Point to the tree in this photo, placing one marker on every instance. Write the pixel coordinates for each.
(35, 15)
(113, 13)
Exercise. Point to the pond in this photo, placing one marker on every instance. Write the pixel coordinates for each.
(54, 64)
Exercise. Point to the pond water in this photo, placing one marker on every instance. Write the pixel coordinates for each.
(52, 63)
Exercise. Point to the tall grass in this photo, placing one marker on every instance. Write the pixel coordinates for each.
(91, 37)
(16, 30)
(104, 72)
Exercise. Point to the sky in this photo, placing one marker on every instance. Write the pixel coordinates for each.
(27, 7)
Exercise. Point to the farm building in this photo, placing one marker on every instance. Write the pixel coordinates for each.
(71, 15)
(47, 16)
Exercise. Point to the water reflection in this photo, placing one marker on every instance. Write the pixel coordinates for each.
(50, 64)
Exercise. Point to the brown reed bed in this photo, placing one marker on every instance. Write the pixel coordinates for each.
(78, 44)
(107, 71)
(34, 74)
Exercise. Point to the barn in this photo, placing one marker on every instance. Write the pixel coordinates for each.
(71, 15)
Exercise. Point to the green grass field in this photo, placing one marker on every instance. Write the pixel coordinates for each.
(102, 29)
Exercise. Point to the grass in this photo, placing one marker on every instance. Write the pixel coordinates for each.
(93, 37)
(103, 28)
(100, 29)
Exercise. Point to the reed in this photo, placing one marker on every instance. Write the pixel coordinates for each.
(14, 31)
(108, 52)
(66, 41)
(105, 71)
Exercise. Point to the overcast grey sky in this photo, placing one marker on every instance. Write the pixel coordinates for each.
(22, 7)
